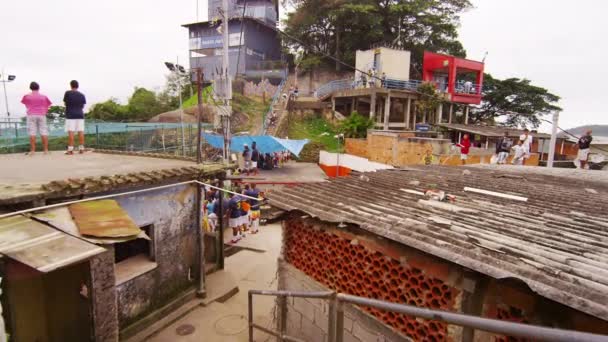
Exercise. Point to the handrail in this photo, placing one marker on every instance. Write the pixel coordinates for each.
(276, 96)
(336, 318)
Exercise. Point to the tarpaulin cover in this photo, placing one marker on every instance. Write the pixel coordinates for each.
(265, 143)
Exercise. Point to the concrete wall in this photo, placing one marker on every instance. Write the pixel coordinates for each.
(319, 256)
(103, 297)
(309, 81)
(172, 212)
(403, 148)
(351, 162)
(395, 63)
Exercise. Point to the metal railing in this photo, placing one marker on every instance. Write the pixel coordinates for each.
(467, 89)
(334, 86)
(336, 318)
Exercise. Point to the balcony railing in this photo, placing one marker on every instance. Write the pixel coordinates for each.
(389, 83)
(467, 89)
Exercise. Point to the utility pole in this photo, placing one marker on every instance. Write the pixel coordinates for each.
(226, 84)
(181, 105)
(553, 139)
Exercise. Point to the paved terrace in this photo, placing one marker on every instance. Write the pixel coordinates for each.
(24, 178)
(556, 241)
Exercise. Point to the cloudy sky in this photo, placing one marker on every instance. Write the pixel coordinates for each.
(112, 46)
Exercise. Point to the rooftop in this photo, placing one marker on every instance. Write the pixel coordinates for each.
(492, 131)
(544, 227)
(24, 178)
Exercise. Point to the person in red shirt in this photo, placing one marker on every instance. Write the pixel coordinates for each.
(465, 146)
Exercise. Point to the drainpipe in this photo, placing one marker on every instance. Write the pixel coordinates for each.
(200, 288)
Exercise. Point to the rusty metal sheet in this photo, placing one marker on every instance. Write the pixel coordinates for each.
(41, 247)
(104, 218)
(61, 218)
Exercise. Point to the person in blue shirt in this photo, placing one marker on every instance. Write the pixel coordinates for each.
(255, 213)
(234, 214)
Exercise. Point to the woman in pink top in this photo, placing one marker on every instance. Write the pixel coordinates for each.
(37, 106)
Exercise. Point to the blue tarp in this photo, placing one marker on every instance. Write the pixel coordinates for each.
(265, 143)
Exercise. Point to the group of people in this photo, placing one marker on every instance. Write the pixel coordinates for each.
(241, 210)
(504, 146)
(254, 160)
(521, 149)
(37, 106)
(363, 81)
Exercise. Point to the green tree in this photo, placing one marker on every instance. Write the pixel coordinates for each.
(109, 110)
(341, 27)
(55, 112)
(143, 105)
(516, 101)
(429, 99)
(356, 125)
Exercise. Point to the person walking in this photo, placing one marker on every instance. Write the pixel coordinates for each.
(520, 153)
(234, 217)
(527, 141)
(503, 147)
(74, 113)
(255, 158)
(37, 106)
(246, 159)
(255, 207)
(465, 146)
(584, 143)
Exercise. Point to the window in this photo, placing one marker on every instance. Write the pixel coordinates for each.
(135, 257)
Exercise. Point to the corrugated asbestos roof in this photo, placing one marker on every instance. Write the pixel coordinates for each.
(41, 247)
(491, 131)
(556, 242)
(104, 218)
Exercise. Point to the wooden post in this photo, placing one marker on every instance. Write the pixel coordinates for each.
(407, 113)
(466, 114)
(387, 110)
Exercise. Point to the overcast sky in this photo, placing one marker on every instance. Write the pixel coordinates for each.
(112, 46)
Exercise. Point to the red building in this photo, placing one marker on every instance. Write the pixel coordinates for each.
(459, 77)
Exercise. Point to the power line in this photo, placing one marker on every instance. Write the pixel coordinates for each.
(572, 135)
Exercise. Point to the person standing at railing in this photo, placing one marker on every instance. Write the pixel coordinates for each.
(37, 106)
(383, 80)
(74, 113)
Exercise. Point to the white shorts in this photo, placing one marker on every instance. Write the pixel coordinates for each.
(74, 125)
(254, 165)
(247, 164)
(234, 222)
(37, 124)
(583, 154)
(464, 156)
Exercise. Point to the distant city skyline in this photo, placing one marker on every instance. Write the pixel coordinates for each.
(113, 46)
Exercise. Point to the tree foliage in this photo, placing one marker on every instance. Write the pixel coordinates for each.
(514, 100)
(429, 99)
(55, 112)
(356, 125)
(341, 27)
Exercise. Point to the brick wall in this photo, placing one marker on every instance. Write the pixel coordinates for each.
(357, 147)
(103, 296)
(401, 149)
(374, 268)
(319, 256)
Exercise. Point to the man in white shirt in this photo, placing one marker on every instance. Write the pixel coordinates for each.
(527, 140)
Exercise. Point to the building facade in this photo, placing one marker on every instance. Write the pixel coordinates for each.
(389, 242)
(255, 47)
(62, 283)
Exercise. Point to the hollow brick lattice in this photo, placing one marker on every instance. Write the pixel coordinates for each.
(351, 268)
(509, 313)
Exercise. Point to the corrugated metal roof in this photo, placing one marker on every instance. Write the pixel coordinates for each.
(492, 131)
(41, 247)
(556, 241)
(104, 218)
(61, 218)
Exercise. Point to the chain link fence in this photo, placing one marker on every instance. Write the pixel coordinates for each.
(170, 138)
